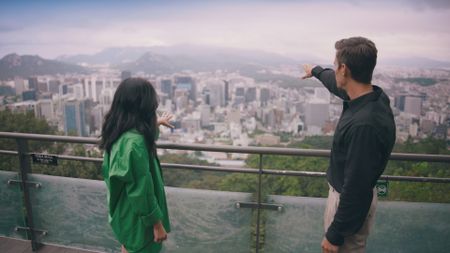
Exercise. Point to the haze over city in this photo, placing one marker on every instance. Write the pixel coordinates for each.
(297, 29)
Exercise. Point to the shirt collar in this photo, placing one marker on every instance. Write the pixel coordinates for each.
(359, 102)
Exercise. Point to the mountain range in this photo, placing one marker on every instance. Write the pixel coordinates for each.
(122, 55)
(169, 59)
(194, 57)
(14, 65)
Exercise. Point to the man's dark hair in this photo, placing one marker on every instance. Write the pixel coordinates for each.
(359, 55)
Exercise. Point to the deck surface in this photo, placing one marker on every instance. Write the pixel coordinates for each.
(11, 245)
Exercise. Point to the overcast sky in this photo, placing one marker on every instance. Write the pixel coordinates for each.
(400, 28)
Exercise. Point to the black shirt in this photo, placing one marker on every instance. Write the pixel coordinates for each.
(362, 143)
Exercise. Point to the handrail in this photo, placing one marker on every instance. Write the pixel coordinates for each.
(226, 148)
(279, 172)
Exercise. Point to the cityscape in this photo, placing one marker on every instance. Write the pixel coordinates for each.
(228, 107)
(254, 162)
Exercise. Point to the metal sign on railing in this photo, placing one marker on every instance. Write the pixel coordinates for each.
(45, 159)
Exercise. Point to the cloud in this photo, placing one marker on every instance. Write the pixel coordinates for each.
(400, 28)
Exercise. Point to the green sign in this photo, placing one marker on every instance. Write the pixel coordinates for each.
(382, 188)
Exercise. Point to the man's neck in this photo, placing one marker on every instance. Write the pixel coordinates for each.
(355, 89)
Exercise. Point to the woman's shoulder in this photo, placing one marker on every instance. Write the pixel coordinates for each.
(130, 139)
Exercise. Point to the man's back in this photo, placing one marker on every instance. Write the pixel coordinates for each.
(370, 114)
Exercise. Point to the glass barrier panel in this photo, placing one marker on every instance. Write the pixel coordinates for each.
(74, 213)
(399, 226)
(208, 221)
(410, 227)
(11, 206)
(298, 227)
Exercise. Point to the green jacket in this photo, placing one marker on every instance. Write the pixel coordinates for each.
(136, 197)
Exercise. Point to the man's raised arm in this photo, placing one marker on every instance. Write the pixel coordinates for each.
(327, 77)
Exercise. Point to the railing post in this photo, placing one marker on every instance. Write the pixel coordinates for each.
(258, 210)
(25, 168)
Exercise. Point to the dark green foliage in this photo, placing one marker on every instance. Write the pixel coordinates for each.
(28, 123)
(190, 178)
(423, 81)
(317, 187)
(279, 185)
(409, 191)
(22, 123)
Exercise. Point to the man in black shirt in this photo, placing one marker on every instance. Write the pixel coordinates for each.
(362, 144)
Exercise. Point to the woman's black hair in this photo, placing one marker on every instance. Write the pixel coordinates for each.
(134, 106)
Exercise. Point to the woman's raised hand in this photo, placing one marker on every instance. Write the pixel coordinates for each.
(164, 120)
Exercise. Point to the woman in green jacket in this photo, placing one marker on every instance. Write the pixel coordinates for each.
(136, 199)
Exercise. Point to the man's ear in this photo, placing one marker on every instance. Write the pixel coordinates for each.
(345, 70)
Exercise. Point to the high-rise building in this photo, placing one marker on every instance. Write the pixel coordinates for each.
(217, 96)
(32, 83)
(264, 96)
(227, 91)
(413, 105)
(205, 114)
(19, 85)
(88, 93)
(206, 96)
(239, 96)
(187, 83)
(45, 109)
(63, 89)
(53, 86)
(99, 86)
(78, 90)
(42, 87)
(29, 95)
(250, 94)
(399, 102)
(316, 113)
(74, 118)
(240, 91)
(106, 96)
(166, 87)
(181, 100)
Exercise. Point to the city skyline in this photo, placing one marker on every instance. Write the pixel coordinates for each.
(401, 29)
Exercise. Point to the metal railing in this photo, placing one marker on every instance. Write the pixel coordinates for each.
(25, 168)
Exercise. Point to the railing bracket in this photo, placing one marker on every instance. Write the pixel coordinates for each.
(42, 232)
(272, 207)
(36, 185)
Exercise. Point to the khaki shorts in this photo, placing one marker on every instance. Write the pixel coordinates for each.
(355, 243)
